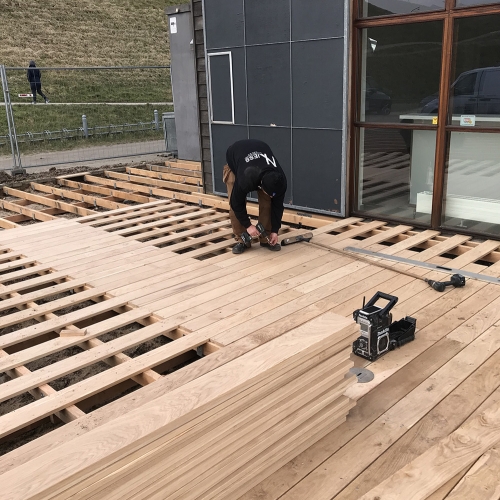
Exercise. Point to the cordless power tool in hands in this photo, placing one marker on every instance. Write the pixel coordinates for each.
(247, 239)
(378, 333)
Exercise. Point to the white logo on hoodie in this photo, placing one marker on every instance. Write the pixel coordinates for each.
(256, 155)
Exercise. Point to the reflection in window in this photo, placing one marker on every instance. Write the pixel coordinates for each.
(400, 72)
(396, 173)
(370, 8)
(466, 84)
(476, 79)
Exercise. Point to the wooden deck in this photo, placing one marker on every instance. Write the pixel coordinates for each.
(426, 427)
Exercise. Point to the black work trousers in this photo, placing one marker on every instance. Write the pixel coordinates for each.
(36, 88)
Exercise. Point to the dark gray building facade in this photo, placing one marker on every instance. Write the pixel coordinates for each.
(277, 71)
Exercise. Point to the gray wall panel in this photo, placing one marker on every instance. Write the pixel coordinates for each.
(280, 141)
(317, 99)
(292, 67)
(268, 69)
(317, 168)
(224, 22)
(267, 21)
(222, 137)
(183, 58)
(317, 19)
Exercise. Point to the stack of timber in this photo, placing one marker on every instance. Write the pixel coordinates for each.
(213, 437)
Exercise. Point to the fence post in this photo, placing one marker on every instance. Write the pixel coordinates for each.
(85, 126)
(157, 120)
(17, 167)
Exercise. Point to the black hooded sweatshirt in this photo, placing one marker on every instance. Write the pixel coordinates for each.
(33, 74)
(249, 160)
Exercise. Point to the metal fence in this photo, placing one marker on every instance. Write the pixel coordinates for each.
(92, 113)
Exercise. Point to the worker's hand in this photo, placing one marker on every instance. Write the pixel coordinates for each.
(252, 231)
(273, 239)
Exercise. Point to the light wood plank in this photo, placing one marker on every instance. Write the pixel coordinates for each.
(481, 482)
(432, 469)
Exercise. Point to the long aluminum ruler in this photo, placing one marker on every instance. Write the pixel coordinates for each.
(426, 265)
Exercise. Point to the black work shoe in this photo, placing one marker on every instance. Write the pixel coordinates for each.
(239, 248)
(273, 248)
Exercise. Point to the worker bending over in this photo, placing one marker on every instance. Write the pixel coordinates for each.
(251, 166)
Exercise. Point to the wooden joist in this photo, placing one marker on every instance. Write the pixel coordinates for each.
(163, 176)
(124, 212)
(7, 224)
(196, 174)
(82, 186)
(29, 212)
(154, 182)
(185, 164)
(72, 195)
(49, 202)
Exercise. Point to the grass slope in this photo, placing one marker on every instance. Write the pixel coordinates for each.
(65, 33)
(84, 32)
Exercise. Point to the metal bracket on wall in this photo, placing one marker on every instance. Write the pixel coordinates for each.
(426, 265)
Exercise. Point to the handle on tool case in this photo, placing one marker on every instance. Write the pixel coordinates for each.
(381, 295)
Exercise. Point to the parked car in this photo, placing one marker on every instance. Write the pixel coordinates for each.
(376, 101)
(475, 92)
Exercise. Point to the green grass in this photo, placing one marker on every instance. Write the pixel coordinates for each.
(64, 33)
(144, 85)
(42, 117)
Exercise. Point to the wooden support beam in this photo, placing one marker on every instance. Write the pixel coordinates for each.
(105, 191)
(49, 202)
(153, 182)
(177, 171)
(128, 212)
(72, 195)
(66, 415)
(164, 176)
(7, 224)
(29, 212)
(185, 164)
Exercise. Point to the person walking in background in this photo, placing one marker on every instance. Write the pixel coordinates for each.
(34, 76)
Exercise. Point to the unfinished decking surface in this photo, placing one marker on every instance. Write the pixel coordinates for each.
(195, 289)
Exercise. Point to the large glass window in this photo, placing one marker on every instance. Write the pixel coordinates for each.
(472, 176)
(396, 172)
(400, 72)
(475, 91)
(400, 68)
(371, 8)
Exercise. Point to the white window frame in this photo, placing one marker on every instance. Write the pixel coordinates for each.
(215, 54)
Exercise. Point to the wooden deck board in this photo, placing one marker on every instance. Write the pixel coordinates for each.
(421, 393)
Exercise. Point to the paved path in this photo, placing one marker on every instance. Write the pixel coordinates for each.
(28, 103)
